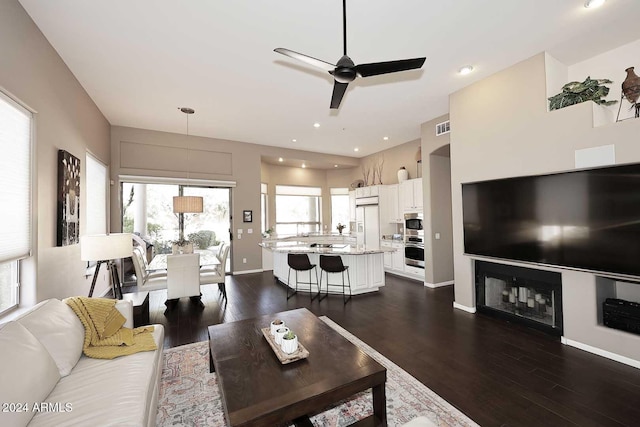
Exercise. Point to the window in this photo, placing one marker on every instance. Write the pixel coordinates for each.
(15, 197)
(147, 210)
(340, 209)
(96, 218)
(264, 210)
(298, 210)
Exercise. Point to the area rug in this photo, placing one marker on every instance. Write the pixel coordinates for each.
(189, 394)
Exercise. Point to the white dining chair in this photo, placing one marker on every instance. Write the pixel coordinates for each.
(217, 274)
(146, 281)
(183, 277)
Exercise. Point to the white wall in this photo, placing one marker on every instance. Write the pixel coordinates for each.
(610, 65)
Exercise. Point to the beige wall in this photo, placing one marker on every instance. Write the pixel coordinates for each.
(436, 187)
(66, 119)
(394, 158)
(500, 127)
(143, 152)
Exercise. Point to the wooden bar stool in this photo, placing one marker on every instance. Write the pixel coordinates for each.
(300, 262)
(333, 264)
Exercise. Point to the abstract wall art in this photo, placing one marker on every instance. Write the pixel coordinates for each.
(68, 199)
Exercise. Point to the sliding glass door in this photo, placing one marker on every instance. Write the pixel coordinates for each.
(147, 210)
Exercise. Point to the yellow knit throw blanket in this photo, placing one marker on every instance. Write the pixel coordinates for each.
(104, 336)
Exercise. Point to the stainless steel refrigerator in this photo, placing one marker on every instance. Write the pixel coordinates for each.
(368, 223)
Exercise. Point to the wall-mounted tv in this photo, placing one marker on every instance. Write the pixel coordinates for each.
(584, 219)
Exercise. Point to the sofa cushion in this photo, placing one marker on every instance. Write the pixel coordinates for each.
(58, 328)
(117, 392)
(27, 373)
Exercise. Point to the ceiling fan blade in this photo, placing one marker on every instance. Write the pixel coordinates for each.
(338, 92)
(376, 68)
(307, 59)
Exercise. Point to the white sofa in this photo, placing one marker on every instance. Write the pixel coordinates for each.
(45, 380)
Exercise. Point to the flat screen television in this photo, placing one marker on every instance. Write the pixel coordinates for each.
(583, 219)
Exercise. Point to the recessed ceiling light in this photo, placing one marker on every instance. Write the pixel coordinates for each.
(304, 166)
(316, 125)
(280, 159)
(465, 70)
(386, 138)
(356, 149)
(592, 4)
(294, 140)
(335, 166)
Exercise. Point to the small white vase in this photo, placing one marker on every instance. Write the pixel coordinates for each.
(289, 346)
(280, 332)
(403, 175)
(274, 327)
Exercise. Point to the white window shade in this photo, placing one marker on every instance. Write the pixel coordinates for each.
(96, 219)
(290, 190)
(339, 191)
(15, 175)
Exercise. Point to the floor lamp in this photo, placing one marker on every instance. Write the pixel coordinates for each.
(104, 248)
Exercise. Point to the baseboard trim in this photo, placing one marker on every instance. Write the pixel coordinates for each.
(600, 352)
(258, 270)
(438, 285)
(471, 310)
(406, 276)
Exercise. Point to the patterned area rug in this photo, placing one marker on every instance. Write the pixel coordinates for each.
(189, 394)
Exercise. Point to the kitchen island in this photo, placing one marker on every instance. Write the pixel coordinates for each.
(366, 266)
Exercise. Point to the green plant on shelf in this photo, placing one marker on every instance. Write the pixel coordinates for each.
(577, 92)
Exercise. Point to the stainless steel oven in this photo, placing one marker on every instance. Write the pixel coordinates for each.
(413, 240)
(414, 254)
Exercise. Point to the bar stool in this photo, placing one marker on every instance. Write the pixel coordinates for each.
(333, 264)
(300, 262)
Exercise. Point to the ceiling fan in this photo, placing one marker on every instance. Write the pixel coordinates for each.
(345, 71)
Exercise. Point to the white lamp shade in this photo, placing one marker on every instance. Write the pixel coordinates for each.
(102, 247)
(187, 204)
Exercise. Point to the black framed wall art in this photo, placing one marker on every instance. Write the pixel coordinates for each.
(68, 199)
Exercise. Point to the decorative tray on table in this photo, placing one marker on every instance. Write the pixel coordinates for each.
(300, 353)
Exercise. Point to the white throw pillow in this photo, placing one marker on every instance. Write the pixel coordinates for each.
(58, 328)
(27, 374)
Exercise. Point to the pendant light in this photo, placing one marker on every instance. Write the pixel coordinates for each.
(186, 204)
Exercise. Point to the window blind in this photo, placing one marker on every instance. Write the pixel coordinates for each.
(15, 175)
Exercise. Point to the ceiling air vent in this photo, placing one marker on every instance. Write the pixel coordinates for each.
(442, 128)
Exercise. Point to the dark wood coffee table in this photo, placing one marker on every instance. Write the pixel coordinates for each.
(257, 390)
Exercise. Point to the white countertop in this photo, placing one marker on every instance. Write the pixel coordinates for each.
(335, 249)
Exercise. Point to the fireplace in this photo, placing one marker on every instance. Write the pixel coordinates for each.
(524, 295)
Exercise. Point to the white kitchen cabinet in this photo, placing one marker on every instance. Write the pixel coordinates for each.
(393, 261)
(372, 190)
(387, 257)
(394, 212)
(410, 195)
(414, 272)
(365, 271)
(352, 206)
(397, 257)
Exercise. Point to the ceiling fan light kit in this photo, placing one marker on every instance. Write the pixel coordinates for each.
(345, 70)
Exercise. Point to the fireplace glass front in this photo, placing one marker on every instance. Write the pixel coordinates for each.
(533, 297)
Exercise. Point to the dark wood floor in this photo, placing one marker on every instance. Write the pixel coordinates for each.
(497, 373)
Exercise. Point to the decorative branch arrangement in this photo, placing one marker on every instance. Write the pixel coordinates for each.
(372, 169)
(366, 172)
(377, 169)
